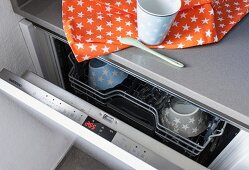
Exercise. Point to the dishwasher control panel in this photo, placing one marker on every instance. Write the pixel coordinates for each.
(99, 128)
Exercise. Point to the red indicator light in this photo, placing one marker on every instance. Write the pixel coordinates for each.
(90, 125)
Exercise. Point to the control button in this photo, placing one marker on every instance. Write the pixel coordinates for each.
(108, 118)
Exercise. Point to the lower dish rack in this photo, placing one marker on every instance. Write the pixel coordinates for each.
(147, 100)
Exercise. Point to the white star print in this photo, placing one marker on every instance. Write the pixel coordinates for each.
(183, 15)
(223, 32)
(99, 37)
(200, 121)
(181, 45)
(109, 23)
(194, 130)
(89, 32)
(80, 14)
(109, 42)
(89, 9)
(128, 1)
(134, 10)
(70, 27)
(105, 72)
(80, 3)
(224, 20)
(219, 12)
(200, 41)
(205, 21)
(186, 2)
(227, 5)
(237, 3)
(193, 19)
(189, 38)
(99, 28)
(86, 57)
(129, 33)
(211, 12)
(128, 23)
(79, 25)
(118, 19)
(71, 18)
(175, 23)
(79, 45)
(178, 35)
(118, 37)
(197, 29)
(216, 2)
(216, 39)
(109, 14)
(169, 42)
(119, 29)
(201, 10)
(100, 78)
(208, 33)
(108, 9)
(125, 10)
(185, 127)
(114, 73)
(93, 47)
(185, 27)
(90, 20)
(176, 130)
(118, 3)
(100, 17)
(220, 19)
(177, 120)
(110, 82)
(191, 120)
(105, 49)
(109, 33)
(222, 25)
(71, 8)
(78, 37)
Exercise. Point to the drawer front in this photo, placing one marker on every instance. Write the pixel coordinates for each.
(117, 151)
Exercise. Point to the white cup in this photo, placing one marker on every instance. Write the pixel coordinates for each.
(154, 18)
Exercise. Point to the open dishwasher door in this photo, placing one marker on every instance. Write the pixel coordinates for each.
(40, 121)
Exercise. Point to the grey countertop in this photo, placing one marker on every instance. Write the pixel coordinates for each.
(216, 76)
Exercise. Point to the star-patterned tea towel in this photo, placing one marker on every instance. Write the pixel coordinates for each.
(93, 27)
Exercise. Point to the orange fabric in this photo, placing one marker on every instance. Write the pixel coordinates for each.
(93, 27)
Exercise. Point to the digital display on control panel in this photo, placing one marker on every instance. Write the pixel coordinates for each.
(99, 128)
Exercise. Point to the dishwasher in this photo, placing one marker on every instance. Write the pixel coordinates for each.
(131, 112)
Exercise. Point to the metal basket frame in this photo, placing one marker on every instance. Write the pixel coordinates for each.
(193, 147)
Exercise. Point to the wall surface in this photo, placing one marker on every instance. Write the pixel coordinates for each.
(14, 54)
